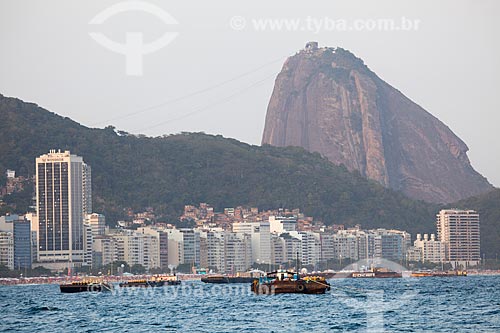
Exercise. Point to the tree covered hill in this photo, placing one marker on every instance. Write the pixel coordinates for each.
(168, 172)
(488, 207)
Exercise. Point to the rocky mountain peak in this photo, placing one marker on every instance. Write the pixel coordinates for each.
(328, 101)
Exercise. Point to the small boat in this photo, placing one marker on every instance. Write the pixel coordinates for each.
(156, 281)
(421, 274)
(326, 275)
(438, 273)
(282, 281)
(450, 273)
(142, 283)
(372, 273)
(171, 280)
(227, 279)
(82, 286)
(241, 277)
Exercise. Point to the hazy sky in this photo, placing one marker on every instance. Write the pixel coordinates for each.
(217, 75)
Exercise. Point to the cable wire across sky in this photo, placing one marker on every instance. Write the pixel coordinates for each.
(192, 94)
(206, 107)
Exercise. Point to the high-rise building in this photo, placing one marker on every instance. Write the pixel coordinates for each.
(62, 199)
(183, 247)
(261, 239)
(346, 244)
(87, 246)
(87, 188)
(292, 247)
(414, 253)
(391, 244)
(277, 250)
(7, 222)
(459, 231)
(135, 248)
(431, 249)
(238, 252)
(7, 249)
(33, 218)
(327, 246)
(22, 244)
(104, 251)
(162, 246)
(357, 244)
(311, 247)
(190, 247)
(216, 251)
(97, 222)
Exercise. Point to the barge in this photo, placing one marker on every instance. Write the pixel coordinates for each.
(85, 286)
(281, 282)
(227, 279)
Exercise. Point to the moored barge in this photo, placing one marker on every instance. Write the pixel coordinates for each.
(85, 286)
(141, 283)
(241, 277)
(369, 274)
(438, 273)
(156, 281)
(227, 279)
(281, 282)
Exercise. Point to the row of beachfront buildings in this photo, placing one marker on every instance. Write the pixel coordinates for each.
(275, 242)
(65, 233)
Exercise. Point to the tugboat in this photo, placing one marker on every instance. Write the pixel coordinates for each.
(82, 286)
(281, 282)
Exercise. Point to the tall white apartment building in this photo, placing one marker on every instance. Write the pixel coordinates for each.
(311, 247)
(260, 237)
(459, 231)
(137, 249)
(216, 255)
(238, 252)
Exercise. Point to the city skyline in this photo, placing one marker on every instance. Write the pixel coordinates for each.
(239, 238)
(67, 233)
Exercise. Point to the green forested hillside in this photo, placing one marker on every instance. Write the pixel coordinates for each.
(168, 172)
(488, 207)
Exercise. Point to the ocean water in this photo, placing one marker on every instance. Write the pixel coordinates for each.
(459, 304)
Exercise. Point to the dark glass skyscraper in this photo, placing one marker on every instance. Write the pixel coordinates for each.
(22, 244)
(62, 193)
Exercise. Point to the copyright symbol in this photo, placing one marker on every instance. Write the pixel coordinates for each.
(237, 23)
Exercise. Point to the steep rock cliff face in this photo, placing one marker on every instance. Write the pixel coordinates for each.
(326, 100)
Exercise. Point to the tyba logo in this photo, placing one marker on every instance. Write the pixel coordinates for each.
(134, 48)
